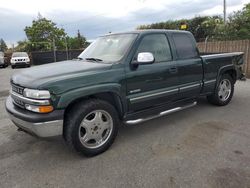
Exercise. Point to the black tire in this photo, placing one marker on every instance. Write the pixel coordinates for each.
(74, 118)
(215, 98)
(12, 66)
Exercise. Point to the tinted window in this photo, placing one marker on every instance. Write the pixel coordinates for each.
(158, 45)
(184, 46)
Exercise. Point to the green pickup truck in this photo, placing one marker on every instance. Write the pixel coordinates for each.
(126, 78)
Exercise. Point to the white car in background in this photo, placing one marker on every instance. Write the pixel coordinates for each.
(20, 59)
(3, 62)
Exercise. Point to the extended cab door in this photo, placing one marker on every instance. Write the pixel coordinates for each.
(153, 84)
(189, 65)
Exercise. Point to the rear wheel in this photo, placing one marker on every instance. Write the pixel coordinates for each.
(12, 66)
(91, 127)
(223, 92)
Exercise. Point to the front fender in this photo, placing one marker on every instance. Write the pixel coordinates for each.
(70, 96)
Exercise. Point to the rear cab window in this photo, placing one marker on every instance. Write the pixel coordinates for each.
(184, 45)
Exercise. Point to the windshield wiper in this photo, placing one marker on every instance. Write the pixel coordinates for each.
(93, 59)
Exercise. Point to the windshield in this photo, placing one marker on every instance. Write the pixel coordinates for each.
(109, 48)
(19, 54)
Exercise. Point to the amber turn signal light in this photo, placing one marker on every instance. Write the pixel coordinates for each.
(39, 109)
(45, 109)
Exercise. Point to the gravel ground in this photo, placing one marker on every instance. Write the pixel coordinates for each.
(204, 146)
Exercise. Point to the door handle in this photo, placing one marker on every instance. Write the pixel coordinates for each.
(173, 70)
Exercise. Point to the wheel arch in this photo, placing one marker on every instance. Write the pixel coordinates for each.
(109, 97)
(230, 70)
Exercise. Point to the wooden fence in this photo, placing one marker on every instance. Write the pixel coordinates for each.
(229, 46)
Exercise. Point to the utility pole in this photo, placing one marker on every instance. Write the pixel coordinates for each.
(67, 50)
(66, 44)
(54, 49)
(225, 11)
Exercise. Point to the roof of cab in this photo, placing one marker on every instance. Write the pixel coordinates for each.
(150, 31)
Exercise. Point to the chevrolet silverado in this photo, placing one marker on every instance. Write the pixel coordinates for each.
(126, 78)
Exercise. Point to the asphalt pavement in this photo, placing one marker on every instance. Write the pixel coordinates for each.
(204, 146)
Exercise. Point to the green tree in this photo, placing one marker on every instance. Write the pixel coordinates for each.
(238, 25)
(3, 46)
(23, 46)
(212, 27)
(78, 42)
(43, 32)
(200, 26)
(236, 28)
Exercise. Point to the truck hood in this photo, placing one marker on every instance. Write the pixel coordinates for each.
(36, 76)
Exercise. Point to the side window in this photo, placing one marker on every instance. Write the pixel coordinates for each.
(184, 46)
(158, 45)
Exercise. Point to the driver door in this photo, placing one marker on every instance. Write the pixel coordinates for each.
(154, 84)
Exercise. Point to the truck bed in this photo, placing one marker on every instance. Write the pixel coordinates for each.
(213, 63)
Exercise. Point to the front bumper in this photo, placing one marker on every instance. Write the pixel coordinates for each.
(20, 63)
(41, 125)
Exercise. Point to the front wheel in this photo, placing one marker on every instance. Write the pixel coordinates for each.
(91, 127)
(223, 92)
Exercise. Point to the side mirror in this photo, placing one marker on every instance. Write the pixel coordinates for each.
(144, 58)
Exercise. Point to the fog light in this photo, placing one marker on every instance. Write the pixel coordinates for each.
(39, 109)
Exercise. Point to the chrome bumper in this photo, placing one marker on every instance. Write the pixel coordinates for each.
(41, 125)
(41, 129)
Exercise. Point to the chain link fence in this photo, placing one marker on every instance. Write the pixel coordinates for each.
(39, 58)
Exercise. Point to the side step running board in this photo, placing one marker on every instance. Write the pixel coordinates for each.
(132, 122)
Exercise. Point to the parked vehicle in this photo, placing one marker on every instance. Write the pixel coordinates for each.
(20, 59)
(3, 62)
(126, 77)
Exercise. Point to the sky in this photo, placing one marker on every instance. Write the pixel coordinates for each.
(97, 17)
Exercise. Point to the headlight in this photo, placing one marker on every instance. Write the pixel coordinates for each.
(36, 94)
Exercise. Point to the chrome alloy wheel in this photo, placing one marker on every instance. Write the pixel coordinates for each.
(95, 129)
(225, 89)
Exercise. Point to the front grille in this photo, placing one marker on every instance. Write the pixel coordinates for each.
(17, 89)
(19, 59)
(17, 101)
